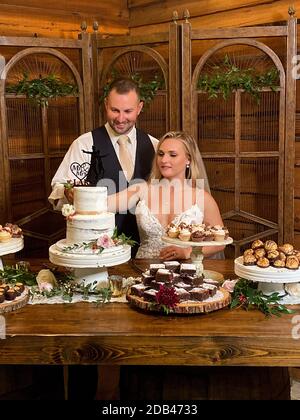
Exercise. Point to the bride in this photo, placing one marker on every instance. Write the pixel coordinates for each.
(174, 193)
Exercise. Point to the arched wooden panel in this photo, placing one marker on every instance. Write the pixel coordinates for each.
(244, 142)
(153, 57)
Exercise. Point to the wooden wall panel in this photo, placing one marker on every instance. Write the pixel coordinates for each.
(153, 12)
(206, 14)
(26, 18)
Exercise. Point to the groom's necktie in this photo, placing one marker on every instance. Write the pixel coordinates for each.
(125, 157)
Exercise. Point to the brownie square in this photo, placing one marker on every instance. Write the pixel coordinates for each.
(182, 294)
(164, 275)
(154, 267)
(187, 269)
(138, 289)
(150, 295)
(199, 294)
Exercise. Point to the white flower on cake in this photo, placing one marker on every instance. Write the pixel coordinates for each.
(68, 210)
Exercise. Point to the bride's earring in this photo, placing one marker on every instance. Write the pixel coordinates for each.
(187, 171)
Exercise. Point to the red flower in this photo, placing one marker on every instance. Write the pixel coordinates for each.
(242, 298)
(167, 296)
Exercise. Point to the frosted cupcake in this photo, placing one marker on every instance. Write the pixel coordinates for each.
(219, 235)
(173, 231)
(184, 234)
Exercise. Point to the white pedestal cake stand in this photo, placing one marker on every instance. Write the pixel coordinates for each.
(197, 254)
(270, 279)
(89, 266)
(10, 247)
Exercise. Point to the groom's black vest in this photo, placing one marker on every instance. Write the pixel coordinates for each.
(126, 223)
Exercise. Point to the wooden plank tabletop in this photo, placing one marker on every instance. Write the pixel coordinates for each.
(115, 333)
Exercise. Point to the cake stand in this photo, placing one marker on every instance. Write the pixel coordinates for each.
(88, 265)
(197, 254)
(10, 247)
(270, 279)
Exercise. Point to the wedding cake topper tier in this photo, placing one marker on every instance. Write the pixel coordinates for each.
(90, 200)
(88, 219)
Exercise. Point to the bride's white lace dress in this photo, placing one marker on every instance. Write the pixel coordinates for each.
(151, 230)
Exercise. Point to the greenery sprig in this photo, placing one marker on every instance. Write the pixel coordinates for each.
(228, 77)
(40, 90)
(247, 296)
(13, 275)
(148, 89)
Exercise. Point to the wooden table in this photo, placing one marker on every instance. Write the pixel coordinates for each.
(115, 334)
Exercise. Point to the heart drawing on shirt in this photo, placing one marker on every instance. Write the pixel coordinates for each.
(80, 170)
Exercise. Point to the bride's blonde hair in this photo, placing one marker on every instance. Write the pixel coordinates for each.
(196, 168)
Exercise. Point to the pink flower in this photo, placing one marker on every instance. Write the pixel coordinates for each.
(229, 285)
(105, 241)
(44, 286)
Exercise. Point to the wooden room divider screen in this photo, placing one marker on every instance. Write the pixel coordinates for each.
(246, 136)
(34, 138)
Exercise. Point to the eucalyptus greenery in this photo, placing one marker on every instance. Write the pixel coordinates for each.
(247, 296)
(148, 89)
(227, 78)
(40, 90)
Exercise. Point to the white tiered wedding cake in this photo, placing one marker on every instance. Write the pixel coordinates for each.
(90, 241)
(88, 219)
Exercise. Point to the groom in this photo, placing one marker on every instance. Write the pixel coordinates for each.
(123, 106)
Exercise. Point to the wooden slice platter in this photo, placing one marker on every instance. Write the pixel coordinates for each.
(19, 302)
(221, 299)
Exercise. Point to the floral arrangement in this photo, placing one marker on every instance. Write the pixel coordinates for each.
(50, 282)
(166, 298)
(246, 295)
(103, 242)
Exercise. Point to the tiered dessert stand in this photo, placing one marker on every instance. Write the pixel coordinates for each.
(197, 254)
(89, 266)
(270, 279)
(10, 247)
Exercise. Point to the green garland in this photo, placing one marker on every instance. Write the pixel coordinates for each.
(147, 89)
(40, 90)
(227, 77)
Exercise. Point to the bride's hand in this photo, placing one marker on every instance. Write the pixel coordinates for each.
(173, 252)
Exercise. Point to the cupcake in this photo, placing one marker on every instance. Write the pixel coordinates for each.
(184, 234)
(5, 236)
(173, 231)
(197, 236)
(219, 235)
